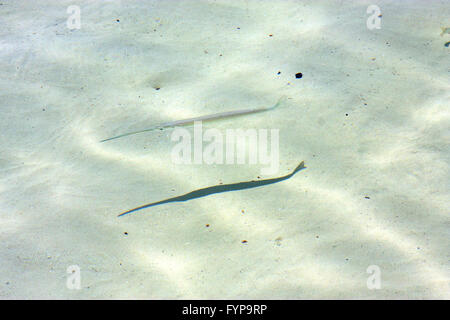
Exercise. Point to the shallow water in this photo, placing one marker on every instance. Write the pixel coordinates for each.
(369, 117)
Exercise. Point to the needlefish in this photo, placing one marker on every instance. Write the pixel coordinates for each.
(208, 117)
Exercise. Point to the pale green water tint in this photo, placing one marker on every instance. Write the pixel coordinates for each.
(369, 117)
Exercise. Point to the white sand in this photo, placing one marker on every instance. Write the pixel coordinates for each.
(312, 236)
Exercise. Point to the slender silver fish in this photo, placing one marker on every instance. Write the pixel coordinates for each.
(201, 118)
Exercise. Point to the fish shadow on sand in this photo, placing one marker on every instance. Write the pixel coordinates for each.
(218, 189)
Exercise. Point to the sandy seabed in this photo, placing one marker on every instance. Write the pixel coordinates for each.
(369, 116)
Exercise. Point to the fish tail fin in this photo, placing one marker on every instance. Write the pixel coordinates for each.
(443, 31)
(300, 167)
(282, 99)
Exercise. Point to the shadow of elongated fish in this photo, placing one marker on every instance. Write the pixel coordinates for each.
(208, 117)
(218, 189)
